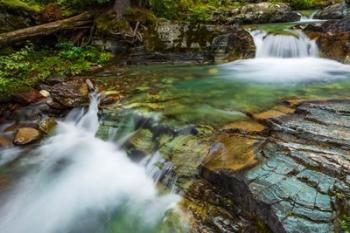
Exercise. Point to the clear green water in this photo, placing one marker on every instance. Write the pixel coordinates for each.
(204, 94)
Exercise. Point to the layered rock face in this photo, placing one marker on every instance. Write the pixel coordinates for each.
(184, 42)
(301, 183)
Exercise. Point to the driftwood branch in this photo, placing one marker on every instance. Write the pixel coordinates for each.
(45, 29)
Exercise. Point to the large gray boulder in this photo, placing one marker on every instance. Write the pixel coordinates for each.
(264, 12)
(336, 11)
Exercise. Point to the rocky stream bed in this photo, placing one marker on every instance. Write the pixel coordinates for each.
(258, 144)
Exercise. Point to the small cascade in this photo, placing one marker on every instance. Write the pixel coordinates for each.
(78, 182)
(294, 45)
(160, 170)
(311, 18)
(285, 58)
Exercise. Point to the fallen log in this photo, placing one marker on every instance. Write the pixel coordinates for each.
(45, 29)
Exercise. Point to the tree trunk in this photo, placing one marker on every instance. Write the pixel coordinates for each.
(45, 29)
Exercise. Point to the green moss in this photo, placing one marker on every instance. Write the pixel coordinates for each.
(345, 223)
(307, 4)
(20, 5)
(191, 10)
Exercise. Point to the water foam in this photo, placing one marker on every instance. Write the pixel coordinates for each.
(295, 44)
(79, 179)
(285, 59)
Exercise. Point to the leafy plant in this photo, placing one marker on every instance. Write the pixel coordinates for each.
(20, 70)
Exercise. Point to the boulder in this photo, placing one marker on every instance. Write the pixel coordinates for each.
(336, 11)
(332, 38)
(175, 41)
(47, 124)
(26, 136)
(264, 12)
(68, 94)
(201, 42)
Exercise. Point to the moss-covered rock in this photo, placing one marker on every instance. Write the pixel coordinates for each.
(15, 14)
(263, 12)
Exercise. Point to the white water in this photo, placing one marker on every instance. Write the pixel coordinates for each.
(284, 46)
(311, 18)
(79, 179)
(285, 59)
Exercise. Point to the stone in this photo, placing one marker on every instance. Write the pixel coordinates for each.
(332, 38)
(231, 152)
(277, 111)
(264, 12)
(69, 94)
(336, 11)
(26, 135)
(176, 41)
(45, 93)
(244, 127)
(47, 124)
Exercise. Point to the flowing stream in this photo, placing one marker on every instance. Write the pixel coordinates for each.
(80, 183)
(75, 182)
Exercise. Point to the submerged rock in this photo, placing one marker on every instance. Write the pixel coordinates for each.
(4, 142)
(26, 135)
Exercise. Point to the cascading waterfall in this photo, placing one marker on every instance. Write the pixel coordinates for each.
(80, 182)
(284, 46)
(285, 58)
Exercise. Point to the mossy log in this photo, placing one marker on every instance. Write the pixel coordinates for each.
(45, 29)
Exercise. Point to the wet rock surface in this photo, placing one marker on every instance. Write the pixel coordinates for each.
(26, 135)
(303, 171)
(287, 167)
(332, 38)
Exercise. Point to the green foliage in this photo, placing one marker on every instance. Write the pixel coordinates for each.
(299, 4)
(194, 10)
(19, 70)
(345, 224)
(83, 3)
(200, 13)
